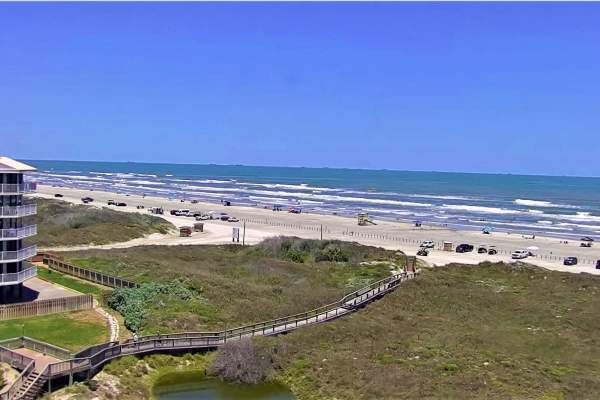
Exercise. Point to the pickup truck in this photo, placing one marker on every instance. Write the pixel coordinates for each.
(519, 254)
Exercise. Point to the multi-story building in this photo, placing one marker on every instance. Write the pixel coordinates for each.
(14, 229)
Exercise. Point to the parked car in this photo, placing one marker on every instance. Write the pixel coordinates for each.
(428, 244)
(223, 217)
(464, 248)
(173, 212)
(202, 217)
(87, 200)
(492, 250)
(140, 207)
(482, 249)
(585, 244)
(587, 239)
(598, 264)
(58, 195)
(423, 252)
(570, 261)
(519, 254)
(121, 204)
(111, 202)
(194, 201)
(233, 219)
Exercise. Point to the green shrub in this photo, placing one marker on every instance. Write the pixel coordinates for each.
(296, 256)
(332, 254)
(134, 303)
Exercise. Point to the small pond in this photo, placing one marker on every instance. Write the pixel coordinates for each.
(196, 386)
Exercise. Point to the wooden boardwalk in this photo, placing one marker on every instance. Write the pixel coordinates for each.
(90, 360)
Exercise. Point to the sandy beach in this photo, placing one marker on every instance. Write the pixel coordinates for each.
(261, 223)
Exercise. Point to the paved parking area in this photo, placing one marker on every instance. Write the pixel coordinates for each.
(38, 289)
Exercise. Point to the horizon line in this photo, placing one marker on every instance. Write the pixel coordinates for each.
(322, 167)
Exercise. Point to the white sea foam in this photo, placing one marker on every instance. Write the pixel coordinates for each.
(541, 203)
(479, 209)
(525, 225)
(142, 182)
(439, 197)
(302, 186)
(535, 211)
(580, 217)
(198, 180)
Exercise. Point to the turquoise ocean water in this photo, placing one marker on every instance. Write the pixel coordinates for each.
(559, 206)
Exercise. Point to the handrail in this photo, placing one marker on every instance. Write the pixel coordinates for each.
(105, 352)
(18, 211)
(187, 340)
(34, 382)
(18, 277)
(10, 392)
(18, 188)
(45, 348)
(18, 233)
(15, 360)
(18, 255)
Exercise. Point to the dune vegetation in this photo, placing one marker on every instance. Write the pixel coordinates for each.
(65, 224)
(231, 285)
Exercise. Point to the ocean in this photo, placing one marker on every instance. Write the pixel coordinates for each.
(567, 207)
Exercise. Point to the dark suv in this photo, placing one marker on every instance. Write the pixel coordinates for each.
(598, 264)
(570, 261)
(464, 248)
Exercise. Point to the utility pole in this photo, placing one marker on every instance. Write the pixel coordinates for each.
(321, 231)
(244, 234)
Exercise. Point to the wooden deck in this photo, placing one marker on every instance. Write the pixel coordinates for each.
(41, 360)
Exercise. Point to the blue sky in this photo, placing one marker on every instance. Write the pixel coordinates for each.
(475, 87)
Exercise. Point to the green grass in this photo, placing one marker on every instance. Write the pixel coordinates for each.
(240, 284)
(72, 331)
(492, 331)
(68, 282)
(65, 224)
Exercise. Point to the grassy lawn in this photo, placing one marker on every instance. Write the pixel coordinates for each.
(72, 331)
(65, 224)
(69, 282)
(493, 332)
(240, 285)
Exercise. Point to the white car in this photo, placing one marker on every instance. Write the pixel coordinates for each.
(519, 254)
(428, 244)
(233, 219)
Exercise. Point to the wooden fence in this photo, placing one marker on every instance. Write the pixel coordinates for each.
(44, 307)
(87, 274)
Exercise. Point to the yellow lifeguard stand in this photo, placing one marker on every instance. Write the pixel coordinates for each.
(363, 219)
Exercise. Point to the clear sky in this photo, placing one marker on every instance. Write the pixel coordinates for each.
(482, 87)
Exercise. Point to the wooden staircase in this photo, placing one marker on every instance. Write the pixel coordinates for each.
(32, 386)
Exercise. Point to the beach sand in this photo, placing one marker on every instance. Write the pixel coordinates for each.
(261, 223)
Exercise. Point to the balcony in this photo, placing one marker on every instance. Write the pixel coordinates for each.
(19, 255)
(17, 188)
(18, 211)
(18, 233)
(18, 277)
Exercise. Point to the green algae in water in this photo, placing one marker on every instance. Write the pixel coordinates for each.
(194, 385)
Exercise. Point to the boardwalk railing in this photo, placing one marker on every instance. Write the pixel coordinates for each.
(92, 358)
(87, 274)
(18, 361)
